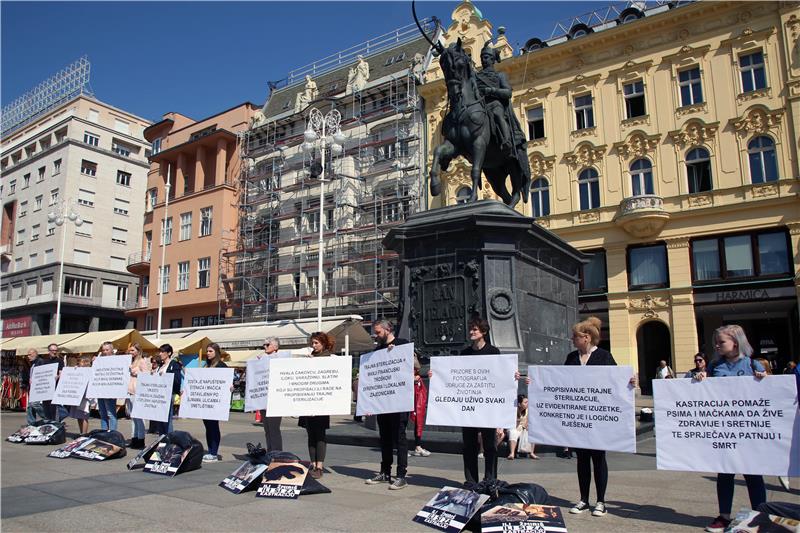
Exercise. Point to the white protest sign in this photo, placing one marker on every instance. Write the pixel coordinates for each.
(153, 398)
(110, 377)
(386, 381)
(582, 407)
(43, 383)
(71, 388)
(735, 425)
(473, 391)
(207, 393)
(257, 384)
(310, 386)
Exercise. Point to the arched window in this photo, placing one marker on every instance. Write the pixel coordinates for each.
(589, 189)
(763, 164)
(698, 170)
(540, 197)
(463, 194)
(642, 177)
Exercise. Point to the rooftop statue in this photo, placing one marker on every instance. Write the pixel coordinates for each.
(306, 96)
(358, 76)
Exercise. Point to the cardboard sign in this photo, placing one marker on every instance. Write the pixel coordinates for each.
(523, 518)
(451, 509)
(243, 478)
(110, 377)
(43, 383)
(310, 386)
(66, 450)
(257, 384)
(582, 407)
(145, 454)
(153, 398)
(71, 388)
(166, 459)
(283, 480)
(207, 393)
(755, 522)
(736, 425)
(473, 391)
(96, 450)
(386, 381)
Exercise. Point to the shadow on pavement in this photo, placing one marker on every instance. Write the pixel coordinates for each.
(655, 513)
(413, 479)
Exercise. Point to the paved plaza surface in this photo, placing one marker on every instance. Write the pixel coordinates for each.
(43, 494)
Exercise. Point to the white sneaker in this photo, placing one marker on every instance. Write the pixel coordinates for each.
(209, 458)
(599, 509)
(422, 452)
(480, 456)
(579, 507)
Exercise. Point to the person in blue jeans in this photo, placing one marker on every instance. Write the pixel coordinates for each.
(107, 406)
(733, 352)
(213, 434)
(35, 409)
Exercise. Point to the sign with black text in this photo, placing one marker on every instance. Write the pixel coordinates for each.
(166, 459)
(71, 388)
(450, 509)
(96, 450)
(735, 425)
(43, 383)
(310, 386)
(386, 381)
(523, 518)
(153, 398)
(145, 453)
(283, 480)
(66, 450)
(110, 377)
(257, 384)
(207, 393)
(243, 477)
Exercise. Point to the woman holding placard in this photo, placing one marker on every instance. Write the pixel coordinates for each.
(107, 406)
(213, 434)
(139, 363)
(733, 351)
(321, 346)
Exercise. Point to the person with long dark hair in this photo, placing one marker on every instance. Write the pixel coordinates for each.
(700, 364)
(322, 345)
(213, 434)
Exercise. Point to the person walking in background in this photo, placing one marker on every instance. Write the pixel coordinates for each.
(272, 424)
(518, 436)
(213, 434)
(322, 345)
(168, 365)
(732, 358)
(140, 363)
(418, 414)
(664, 371)
(107, 406)
(700, 364)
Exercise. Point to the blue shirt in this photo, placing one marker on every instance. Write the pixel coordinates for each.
(743, 366)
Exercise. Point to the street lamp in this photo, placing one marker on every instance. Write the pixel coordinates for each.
(318, 134)
(59, 215)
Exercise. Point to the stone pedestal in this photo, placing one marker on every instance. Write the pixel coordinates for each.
(485, 259)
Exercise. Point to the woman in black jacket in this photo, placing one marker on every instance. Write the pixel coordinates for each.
(321, 346)
(213, 434)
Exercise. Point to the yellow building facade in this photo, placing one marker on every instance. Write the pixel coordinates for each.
(665, 144)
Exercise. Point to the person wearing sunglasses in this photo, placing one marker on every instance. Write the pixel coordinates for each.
(700, 364)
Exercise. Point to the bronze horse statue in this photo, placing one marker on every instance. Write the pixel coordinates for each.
(467, 127)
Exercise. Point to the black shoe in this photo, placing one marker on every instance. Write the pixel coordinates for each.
(136, 444)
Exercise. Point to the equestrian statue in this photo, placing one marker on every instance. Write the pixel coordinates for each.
(480, 124)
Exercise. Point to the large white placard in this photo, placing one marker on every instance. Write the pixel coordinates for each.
(71, 388)
(310, 386)
(386, 381)
(153, 398)
(110, 377)
(736, 425)
(473, 391)
(257, 383)
(43, 382)
(207, 393)
(582, 407)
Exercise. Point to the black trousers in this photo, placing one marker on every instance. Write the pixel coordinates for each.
(317, 443)
(470, 453)
(272, 432)
(587, 458)
(392, 431)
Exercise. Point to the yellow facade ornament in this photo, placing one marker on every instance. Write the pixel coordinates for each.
(638, 144)
(585, 154)
(694, 133)
(758, 120)
(541, 165)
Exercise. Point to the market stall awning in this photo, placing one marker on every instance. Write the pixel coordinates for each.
(182, 345)
(39, 342)
(239, 357)
(120, 338)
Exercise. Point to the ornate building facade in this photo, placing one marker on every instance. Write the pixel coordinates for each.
(665, 144)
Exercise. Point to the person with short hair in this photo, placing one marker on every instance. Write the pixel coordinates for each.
(664, 371)
(322, 345)
(272, 424)
(168, 365)
(54, 411)
(34, 410)
(107, 406)
(213, 434)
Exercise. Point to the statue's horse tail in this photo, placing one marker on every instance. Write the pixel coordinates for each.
(436, 46)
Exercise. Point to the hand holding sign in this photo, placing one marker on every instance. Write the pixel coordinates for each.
(43, 383)
(206, 394)
(386, 381)
(71, 388)
(110, 377)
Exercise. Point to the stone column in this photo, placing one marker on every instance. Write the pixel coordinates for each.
(221, 158)
(794, 238)
(199, 166)
(622, 340)
(684, 329)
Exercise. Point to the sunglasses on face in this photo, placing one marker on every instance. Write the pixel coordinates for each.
(698, 360)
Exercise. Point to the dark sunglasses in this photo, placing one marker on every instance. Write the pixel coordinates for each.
(698, 360)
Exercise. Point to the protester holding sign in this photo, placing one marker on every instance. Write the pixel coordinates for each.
(139, 363)
(213, 434)
(35, 409)
(167, 364)
(81, 412)
(107, 406)
(732, 358)
(321, 346)
(272, 424)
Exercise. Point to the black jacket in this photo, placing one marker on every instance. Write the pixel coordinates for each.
(599, 357)
(175, 367)
(488, 349)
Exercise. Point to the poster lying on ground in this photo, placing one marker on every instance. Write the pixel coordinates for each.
(473, 391)
(153, 398)
(145, 454)
(582, 407)
(96, 450)
(523, 518)
(243, 477)
(166, 459)
(71, 388)
(755, 522)
(736, 425)
(450, 509)
(310, 386)
(66, 450)
(386, 381)
(43, 383)
(283, 480)
(207, 393)
(257, 384)
(110, 377)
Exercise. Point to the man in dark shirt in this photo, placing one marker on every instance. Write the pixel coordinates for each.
(391, 426)
(54, 412)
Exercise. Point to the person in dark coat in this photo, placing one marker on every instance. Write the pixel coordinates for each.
(321, 346)
(213, 433)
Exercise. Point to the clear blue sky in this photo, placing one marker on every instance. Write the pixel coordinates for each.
(199, 58)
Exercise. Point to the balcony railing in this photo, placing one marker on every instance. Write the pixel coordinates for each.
(642, 216)
(136, 303)
(644, 202)
(138, 257)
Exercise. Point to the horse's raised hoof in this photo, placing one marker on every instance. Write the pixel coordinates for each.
(436, 186)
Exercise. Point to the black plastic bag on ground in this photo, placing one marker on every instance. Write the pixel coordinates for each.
(257, 455)
(502, 493)
(194, 458)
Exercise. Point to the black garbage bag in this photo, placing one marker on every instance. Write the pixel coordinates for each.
(258, 455)
(102, 445)
(191, 450)
(47, 432)
(502, 493)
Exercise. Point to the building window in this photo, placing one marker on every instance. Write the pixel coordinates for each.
(120, 149)
(37, 203)
(183, 276)
(85, 198)
(156, 147)
(49, 256)
(88, 168)
(463, 194)
(40, 174)
(593, 273)
(35, 232)
(175, 323)
(647, 267)
(86, 229)
(78, 287)
(51, 228)
(186, 226)
(296, 284)
(23, 209)
(166, 231)
(91, 138)
(119, 235)
(121, 207)
(763, 163)
(148, 243)
(698, 170)
(163, 278)
(751, 67)
(20, 237)
(642, 177)
(634, 99)
(589, 189)
(26, 181)
(148, 322)
(56, 167)
(205, 221)
(82, 257)
(584, 112)
(705, 260)
(540, 197)
(152, 198)
(536, 123)
(53, 197)
(123, 178)
(311, 220)
(690, 86)
(203, 272)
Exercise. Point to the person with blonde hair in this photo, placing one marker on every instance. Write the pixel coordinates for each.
(140, 363)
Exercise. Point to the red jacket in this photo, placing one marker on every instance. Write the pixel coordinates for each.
(420, 405)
